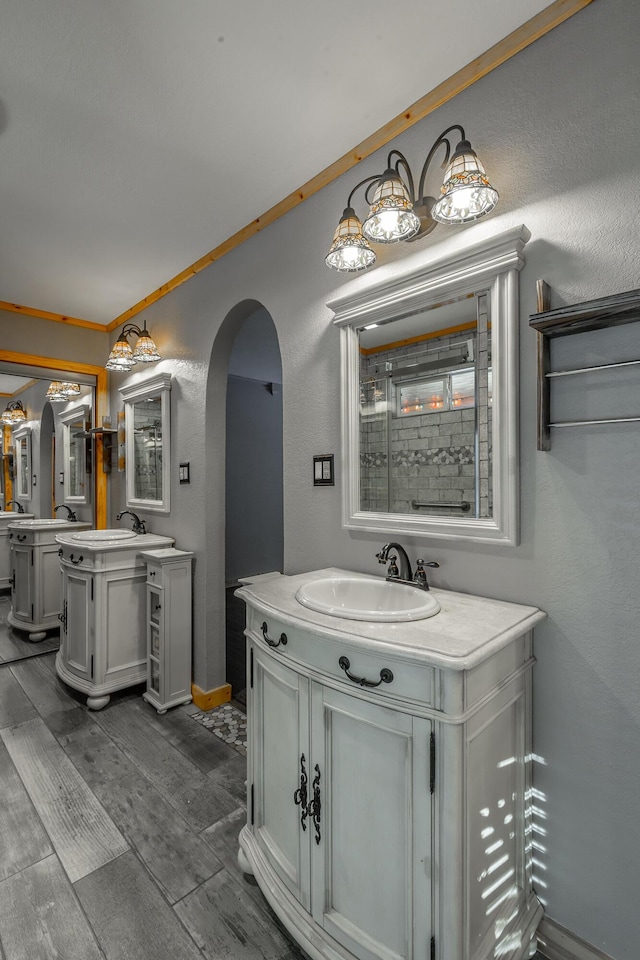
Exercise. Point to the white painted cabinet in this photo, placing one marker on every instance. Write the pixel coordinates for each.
(168, 627)
(6, 570)
(389, 818)
(103, 640)
(35, 578)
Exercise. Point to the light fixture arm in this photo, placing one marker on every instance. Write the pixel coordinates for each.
(442, 139)
(370, 181)
(404, 163)
(128, 329)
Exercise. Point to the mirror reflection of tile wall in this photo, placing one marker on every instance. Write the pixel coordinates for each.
(148, 449)
(418, 430)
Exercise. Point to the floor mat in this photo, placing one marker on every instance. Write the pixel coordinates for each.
(226, 722)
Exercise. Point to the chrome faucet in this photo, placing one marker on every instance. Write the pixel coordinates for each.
(403, 573)
(18, 505)
(70, 514)
(138, 524)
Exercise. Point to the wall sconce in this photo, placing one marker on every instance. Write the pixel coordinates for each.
(14, 413)
(398, 212)
(59, 391)
(122, 357)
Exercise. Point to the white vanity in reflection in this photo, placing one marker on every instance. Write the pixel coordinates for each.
(103, 634)
(35, 573)
(389, 771)
(7, 517)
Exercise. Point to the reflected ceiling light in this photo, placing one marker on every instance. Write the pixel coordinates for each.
(398, 212)
(122, 357)
(14, 413)
(60, 391)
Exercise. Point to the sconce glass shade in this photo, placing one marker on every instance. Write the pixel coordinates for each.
(59, 391)
(54, 392)
(391, 217)
(14, 413)
(350, 250)
(146, 350)
(466, 194)
(121, 356)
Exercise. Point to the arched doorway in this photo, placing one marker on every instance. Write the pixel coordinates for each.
(47, 461)
(243, 391)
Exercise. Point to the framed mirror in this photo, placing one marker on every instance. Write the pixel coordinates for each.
(22, 463)
(429, 370)
(148, 448)
(75, 424)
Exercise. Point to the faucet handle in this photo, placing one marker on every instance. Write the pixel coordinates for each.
(381, 557)
(420, 576)
(392, 569)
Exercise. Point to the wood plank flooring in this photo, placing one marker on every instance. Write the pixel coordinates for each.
(118, 832)
(15, 644)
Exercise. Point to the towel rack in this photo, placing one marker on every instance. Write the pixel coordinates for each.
(563, 322)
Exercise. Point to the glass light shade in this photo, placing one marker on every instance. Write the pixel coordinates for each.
(55, 392)
(70, 389)
(466, 194)
(121, 356)
(14, 413)
(349, 251)
(146, 350)
(391, 217)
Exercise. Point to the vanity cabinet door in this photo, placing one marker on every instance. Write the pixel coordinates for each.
(22, 586)
(278, 754)
(371, 857)
(76, 637)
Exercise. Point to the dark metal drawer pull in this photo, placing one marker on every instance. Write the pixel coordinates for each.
(21, 537)
(60, 552)
(79, 560)
(274, 643)
(300, 796)
(386, 675)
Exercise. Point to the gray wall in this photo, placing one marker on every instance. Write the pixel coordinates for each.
(557, 129)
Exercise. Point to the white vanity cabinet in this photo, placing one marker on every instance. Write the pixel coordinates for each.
(35, 574)
(388, 810)
(103, 634)
(7, 517)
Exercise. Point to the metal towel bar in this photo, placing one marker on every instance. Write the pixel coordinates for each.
(463, 505)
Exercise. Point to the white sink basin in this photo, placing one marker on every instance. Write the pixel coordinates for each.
(92, 536)
(43, 522)
(357, 598)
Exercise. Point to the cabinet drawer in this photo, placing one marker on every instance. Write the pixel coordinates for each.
(76, 556)
(383, 676)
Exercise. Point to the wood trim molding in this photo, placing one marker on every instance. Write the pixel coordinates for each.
(434, 335)
(47, 315)
(535, 28)
(208, 699)
(558, 943)
(101, 408)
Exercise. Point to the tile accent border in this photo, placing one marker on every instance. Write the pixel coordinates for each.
(208, 699)
(557, 943)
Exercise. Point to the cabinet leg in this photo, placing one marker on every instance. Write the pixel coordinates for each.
(243, 863)
(38, 635)
(97, 703)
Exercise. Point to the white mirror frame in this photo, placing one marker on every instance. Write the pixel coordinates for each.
(19, 434)
(160, 384)
(492, 265)
(66, 418)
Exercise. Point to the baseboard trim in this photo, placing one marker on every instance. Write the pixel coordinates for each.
(208, 699)
(558, 943)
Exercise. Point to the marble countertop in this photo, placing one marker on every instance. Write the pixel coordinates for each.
(466, 631)
(138, 543)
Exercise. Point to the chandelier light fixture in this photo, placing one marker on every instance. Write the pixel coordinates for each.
(14, 413)
(397, 211)
(122, 357)
(60, 391)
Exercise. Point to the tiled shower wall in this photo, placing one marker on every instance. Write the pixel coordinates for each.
(429, 456)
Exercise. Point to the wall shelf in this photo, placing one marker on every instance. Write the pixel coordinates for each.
(563, 322)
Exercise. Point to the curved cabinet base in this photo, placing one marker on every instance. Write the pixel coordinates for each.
(36, 631)
(98, 694)
(307, 934)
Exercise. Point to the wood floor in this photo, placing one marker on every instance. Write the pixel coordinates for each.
(118, 832)
(14, 644)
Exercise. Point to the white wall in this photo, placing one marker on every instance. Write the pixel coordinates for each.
(557, 128)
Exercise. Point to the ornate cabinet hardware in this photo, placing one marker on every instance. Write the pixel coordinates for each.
(274, 643)
(386, 676)
(300, 796)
